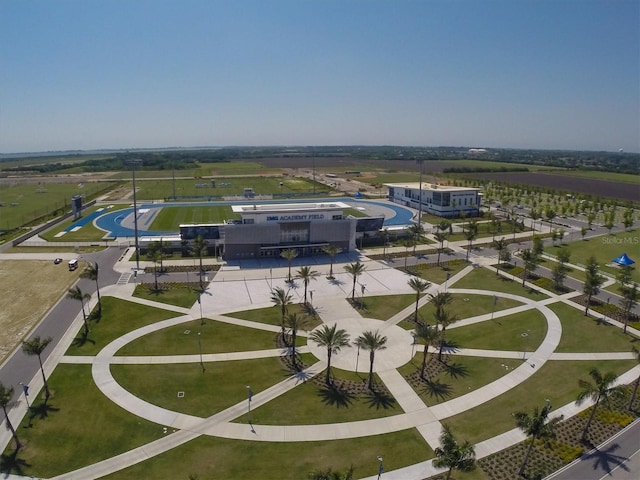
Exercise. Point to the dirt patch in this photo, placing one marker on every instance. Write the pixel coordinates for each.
(29, 289)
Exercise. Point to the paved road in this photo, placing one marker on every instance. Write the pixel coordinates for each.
(617, 459)
(20, 367)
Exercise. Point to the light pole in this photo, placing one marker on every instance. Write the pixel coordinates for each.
(200, 351)
(413, 345)
(357, 358)
(134, 163)
(200, 303)
(420, 162)
(380, 467)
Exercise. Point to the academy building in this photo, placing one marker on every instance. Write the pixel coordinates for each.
(268, 229)
(440, 200)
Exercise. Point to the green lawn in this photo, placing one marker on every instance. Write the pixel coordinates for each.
(589, 334)
(384, 307)
(220, 386)
(485, 279)
(181, 297)
(215, 337)
(79, 426)
(87, 233)
(466, 306)
(118, 318)
(604, 249)
(555, 380)
(170, 218)
(309, 404)
(273, 315)
(223, 459)
(522, 331)
(438, 274)
(465, 375)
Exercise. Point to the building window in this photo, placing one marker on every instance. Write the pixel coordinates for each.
(336, 217)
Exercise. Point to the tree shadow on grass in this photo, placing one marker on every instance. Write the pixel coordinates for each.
(334, 396)
(42, 410)
(380, 400)
(436, 389)
(13, 464)
(456, 370)
(81, 339)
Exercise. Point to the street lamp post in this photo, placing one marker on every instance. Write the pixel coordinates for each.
(200, 303)
(380, 467)
(357, 358)
(200, 352)
(134, 163)
(249, 395)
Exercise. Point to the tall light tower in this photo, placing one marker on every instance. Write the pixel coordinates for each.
(135, 162)
(420, 161)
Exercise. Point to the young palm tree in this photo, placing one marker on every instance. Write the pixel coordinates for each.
(199, 248)
(329, 474)
(281, 299)
(384, 234)
(450, 454)
(600, 390)
(295, 322)
(535, 426)
(440, 300)
(332, 251)
(470, 234)
(407, 243)
(35, 346)
(306, 275)
(155, 256)
(5, 401)
(501, 246)
(443, 319)
(333, 340)
(91, 272)
(371, 341)
(593, 281)
(440, 237)
(289, 255)
(77, 294)
(636, 354)
(355, 270)
(419, 286)
(429, 336)
(416, 231)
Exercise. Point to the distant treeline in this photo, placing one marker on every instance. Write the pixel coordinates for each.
(484, 169)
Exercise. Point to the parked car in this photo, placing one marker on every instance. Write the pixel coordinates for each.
(57, 261)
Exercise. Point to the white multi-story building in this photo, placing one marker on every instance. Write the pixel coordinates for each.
(441, 200)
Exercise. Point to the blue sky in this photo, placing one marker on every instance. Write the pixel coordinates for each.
(88, 74)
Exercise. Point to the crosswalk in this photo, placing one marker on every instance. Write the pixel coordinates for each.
(124, 279)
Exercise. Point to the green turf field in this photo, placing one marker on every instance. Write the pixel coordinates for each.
(21, 204)
(170, 218)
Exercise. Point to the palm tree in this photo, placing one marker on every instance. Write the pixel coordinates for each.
(440, 237)
(329, 474)
(503, 250)
(6, 394)
(295, 322)
(155, 256)
(428, 335)
(636, 353)
(36, 346)
(355, 270)
(333, 340)
(535, 426)
(407, 243)
(199, 248)
(470, 234)
(600, 390)
(440, 300)
(452, 455)
(289, 256)
(593, 281)
(371, 341)
(416, 231)
(443, 319)
(91, 272)
(530, 260)
(306, 275)
(384, 234)
(332, 251)
(77, 294)
(628, 301)
(419, 286)
(281, 299)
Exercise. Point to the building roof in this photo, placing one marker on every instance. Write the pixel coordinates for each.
(432, 187)
(288, 207)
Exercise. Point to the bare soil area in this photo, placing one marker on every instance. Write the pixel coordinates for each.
(29, 289)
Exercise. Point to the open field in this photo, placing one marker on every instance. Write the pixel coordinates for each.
(170, 218)
(22, 204)
(604, 248)
(87, 233)
(22, 308)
